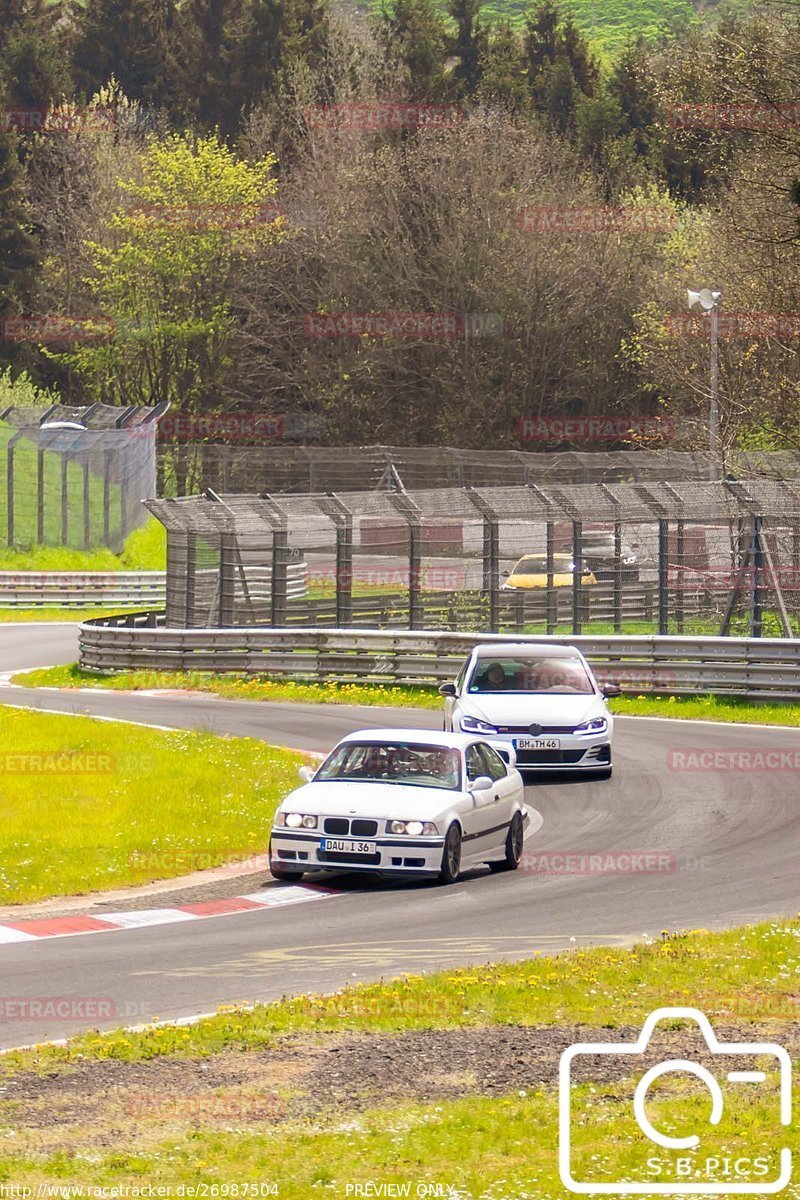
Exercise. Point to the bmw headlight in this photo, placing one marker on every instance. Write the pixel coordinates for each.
(475, 725)
(297, 821)
(413, 828)
(598, 725)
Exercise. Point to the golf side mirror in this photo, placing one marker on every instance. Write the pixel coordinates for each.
(306, 774)
(611, 689)
(447, 689)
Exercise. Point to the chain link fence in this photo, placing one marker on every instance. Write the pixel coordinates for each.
(667, 557)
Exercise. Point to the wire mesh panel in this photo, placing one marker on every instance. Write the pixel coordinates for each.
(688, 556)
(75, 477)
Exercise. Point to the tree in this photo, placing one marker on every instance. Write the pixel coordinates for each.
(415, 32)
(19, 252)
(468, 45)
(133, 43)
(503, 70)
(33, 69)
(163, 275)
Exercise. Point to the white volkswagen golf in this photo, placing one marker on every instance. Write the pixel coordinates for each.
(403, 801)
(541, 698)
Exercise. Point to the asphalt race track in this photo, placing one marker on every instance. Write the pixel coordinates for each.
(730, 841)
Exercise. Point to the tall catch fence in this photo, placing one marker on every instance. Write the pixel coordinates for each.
(666, 557)
(75, 476)
(186, 468)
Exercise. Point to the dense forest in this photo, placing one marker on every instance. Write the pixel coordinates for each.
(413, 225)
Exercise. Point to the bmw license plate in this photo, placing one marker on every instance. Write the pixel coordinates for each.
(537, 743)
(347, 846)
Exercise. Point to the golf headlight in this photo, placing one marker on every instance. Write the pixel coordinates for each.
(598, 725)
(412, 828)
(297, 821)
(475, 725)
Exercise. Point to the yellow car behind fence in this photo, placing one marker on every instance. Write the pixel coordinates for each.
(531, 572)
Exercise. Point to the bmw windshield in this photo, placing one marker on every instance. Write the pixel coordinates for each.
(395, 762)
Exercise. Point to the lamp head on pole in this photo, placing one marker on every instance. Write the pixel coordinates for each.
(705, 299)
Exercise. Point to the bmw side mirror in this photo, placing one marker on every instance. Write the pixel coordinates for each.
(480, 784)
(447, 689)
(306, 774)
(611, 689)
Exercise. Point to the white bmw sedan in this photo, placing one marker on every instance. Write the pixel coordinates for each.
(400, 801)
(541, 698)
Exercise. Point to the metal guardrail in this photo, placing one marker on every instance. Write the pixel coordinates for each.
(85, 589)
(754, 668)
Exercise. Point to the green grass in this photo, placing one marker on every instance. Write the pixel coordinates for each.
(749, 973)
(145, 550)
(20, 616)
(25, 492)
(260, 687)
(145, 804)
(237, 687)
(502, 1148)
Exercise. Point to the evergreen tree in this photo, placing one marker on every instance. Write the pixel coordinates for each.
(19, 252)
(632, 85)
(415, 30)
(133, 42)
(503, 70)
(33, 71)
(468, 46)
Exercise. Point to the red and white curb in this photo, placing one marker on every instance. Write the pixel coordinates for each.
(52, 927)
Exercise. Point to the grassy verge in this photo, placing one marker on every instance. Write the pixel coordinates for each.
(259, 687)
(144, 550)
(237, 687)
(18, 616)
(88, 805)
(322, 1136)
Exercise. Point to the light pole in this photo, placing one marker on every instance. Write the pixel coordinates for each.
(708, 301)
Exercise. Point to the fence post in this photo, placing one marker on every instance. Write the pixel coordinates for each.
(64, 500)
(617, 577)
(407, 509)
(280, 575)
(663, 583)
(551, 597)
(10, 493)
(191, 578)
(227, 594)
(577, 575)
(87, 527)
(757, 595)
(680, 554)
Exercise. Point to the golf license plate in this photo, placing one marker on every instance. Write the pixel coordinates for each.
(540, 743)
(347, 846)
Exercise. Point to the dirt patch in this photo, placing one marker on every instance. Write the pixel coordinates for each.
(110, 1103)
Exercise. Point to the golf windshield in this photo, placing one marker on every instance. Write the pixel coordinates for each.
(566, 676)
(538, 566)
(394, 762)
